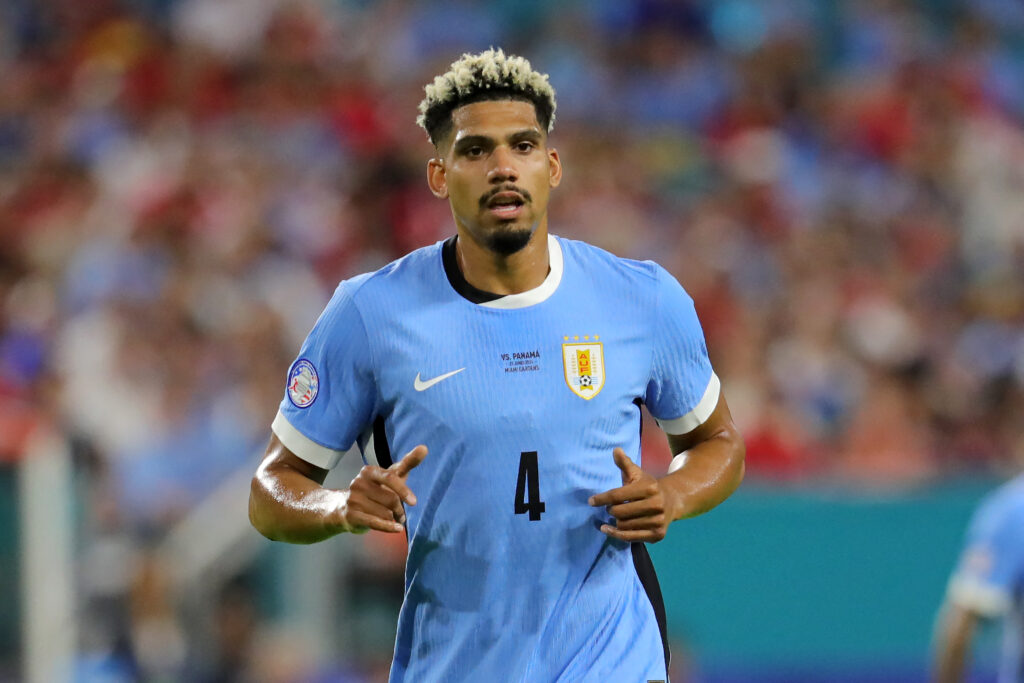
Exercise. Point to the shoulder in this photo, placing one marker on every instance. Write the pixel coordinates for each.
(401, 274)
(1005, 501)
(590, 258)
(1002, 511)
(638, 285)
(409, 275)
(388, 289)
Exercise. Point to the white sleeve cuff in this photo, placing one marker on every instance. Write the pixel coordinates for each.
(696, 417)
(302, 446)
(989, 601)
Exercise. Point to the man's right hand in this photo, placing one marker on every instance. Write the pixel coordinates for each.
(374, 498)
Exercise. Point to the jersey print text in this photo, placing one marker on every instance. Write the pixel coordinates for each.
(521, 361)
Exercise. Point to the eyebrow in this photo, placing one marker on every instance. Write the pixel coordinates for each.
(527, 134)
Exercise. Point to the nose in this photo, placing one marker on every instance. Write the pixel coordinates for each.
(502, 167)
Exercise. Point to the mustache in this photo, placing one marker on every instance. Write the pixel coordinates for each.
(505, 188)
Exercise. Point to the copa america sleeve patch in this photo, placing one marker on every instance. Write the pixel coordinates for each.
(303, 383)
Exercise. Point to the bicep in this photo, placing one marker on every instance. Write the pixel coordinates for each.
(279, 459)
(719, 424)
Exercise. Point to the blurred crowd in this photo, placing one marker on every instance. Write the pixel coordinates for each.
(839, 185)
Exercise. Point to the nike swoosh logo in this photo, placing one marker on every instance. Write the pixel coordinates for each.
(421, 385)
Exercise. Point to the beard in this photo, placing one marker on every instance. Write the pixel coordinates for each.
(507, 238)
(507, 241)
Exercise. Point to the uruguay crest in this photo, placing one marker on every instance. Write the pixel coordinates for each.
(584, 367)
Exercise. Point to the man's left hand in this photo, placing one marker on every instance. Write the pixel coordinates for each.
(639, 506)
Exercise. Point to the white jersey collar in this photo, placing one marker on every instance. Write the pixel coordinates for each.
(542, 291)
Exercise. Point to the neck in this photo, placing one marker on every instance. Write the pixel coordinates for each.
(504, 274)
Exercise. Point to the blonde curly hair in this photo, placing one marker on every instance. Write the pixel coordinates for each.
(490, 75)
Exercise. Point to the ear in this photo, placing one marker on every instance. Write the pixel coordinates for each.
(554, 168)
(436, 179)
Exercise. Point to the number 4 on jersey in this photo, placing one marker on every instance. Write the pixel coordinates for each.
(529, 481)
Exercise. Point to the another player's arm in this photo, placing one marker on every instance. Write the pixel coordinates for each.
(707, 468)
(953, 637)
(287, 500)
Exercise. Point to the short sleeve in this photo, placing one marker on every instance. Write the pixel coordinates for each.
(683, 390)
(330, 393)
(992, 564)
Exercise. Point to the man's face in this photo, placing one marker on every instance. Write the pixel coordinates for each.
(497, 172)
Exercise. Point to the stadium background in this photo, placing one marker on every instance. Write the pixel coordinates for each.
(839, 184)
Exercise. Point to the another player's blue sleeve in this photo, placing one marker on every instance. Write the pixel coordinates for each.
(683, 389)
(991, 568)
(329, 397)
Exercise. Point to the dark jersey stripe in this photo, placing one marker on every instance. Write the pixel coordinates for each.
(380, 443)
(649, 580)
(645, 570)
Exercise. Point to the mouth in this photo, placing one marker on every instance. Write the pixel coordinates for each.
(506, 205)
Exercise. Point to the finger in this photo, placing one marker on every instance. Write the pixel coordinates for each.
(636, 490)
(392, 482)
(360, 521)
(635, 509)
(410, 460)
(388, 493)
(650, 523)
(622, 461)
(632, 536)
(367, 505)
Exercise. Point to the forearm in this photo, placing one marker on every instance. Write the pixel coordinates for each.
(952, 644)
(705, 475)
(286, 506)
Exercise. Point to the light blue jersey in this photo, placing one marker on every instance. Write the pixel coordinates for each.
(520, 400)
(990, 577)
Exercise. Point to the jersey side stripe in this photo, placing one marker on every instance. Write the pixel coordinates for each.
(644, 567)
(696, 417)
(381, 449)
(302, 446)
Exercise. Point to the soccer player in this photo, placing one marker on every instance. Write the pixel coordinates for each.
(519, 361)
(987, 584)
